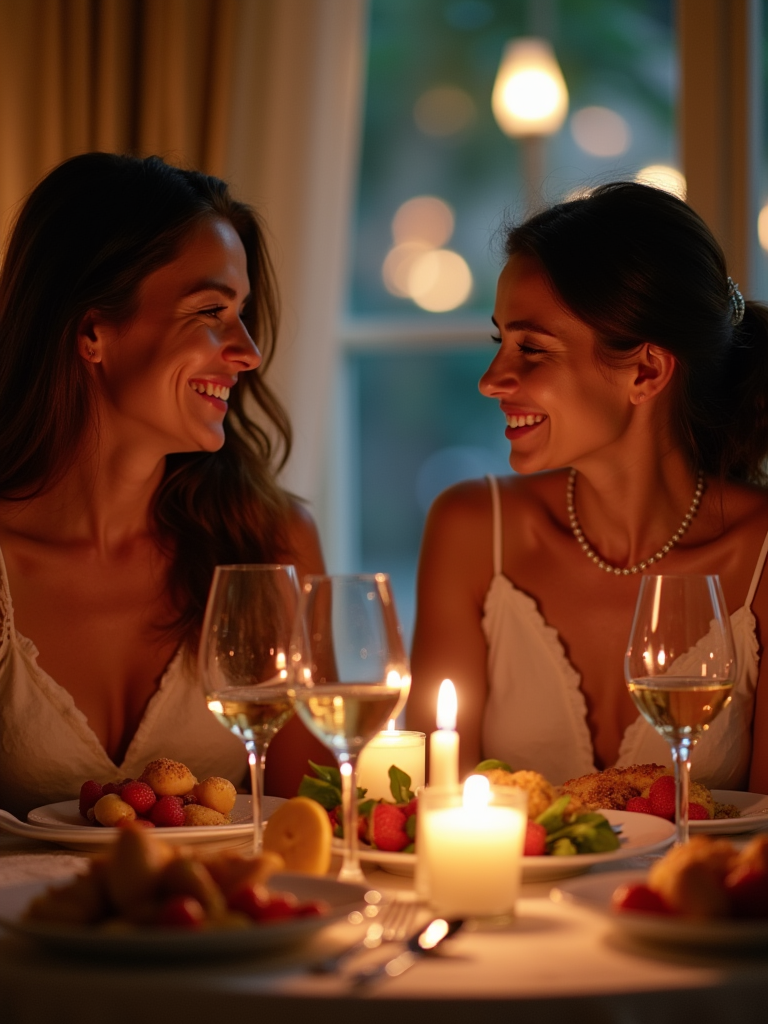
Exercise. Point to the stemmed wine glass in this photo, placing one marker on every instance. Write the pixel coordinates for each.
(350, 676)
(243, 660)
(680, 666)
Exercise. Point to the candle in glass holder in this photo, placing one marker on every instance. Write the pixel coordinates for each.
(470, 844)
(396, 747)
(444, 743)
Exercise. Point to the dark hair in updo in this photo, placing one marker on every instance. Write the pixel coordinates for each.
(637, 265)
(85, 239)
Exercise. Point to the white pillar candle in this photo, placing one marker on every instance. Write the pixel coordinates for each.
(391, 747)
(444, 743)
(472, 846)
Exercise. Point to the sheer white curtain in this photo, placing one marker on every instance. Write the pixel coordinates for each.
(265, 93)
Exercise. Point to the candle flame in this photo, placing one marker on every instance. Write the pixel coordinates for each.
(447, 705)
(251, 759)
(477, 792)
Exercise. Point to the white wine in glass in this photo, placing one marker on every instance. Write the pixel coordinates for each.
(243, 660)
(350, 676)
(680, 666)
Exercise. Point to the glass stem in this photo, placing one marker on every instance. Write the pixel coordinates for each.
(350, 868)
(681, 758)
(256, 761)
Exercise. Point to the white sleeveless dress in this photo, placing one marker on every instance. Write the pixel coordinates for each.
(536, 716)
(47, 748)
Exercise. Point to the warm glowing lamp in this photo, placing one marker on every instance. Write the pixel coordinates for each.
(530, 101)
(529, 96)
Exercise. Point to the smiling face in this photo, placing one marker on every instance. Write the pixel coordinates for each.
(560, 403)
(165, 376)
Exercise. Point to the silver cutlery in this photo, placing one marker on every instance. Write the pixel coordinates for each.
(423, 943)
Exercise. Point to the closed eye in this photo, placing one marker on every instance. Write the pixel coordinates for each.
(496, 339)
(212, 311)
(530, 350)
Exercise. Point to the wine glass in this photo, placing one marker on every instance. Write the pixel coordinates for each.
(680, 666)
(243, 660)
(350, 675)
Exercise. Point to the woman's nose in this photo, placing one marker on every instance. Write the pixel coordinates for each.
(496, 378)
(242, 349)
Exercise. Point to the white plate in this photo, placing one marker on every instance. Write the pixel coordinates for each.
(168, 943)
(595, 893)
(61, 823)
(754, 814)
(641, 834)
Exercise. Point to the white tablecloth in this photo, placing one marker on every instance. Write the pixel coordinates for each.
(554, 960)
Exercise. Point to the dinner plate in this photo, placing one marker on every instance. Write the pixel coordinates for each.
(594, 893)
(754, 814)
(171, 943)
(61, 823)
(640, 834)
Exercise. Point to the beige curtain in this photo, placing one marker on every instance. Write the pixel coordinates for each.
(264, 93)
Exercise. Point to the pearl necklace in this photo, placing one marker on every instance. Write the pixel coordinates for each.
(578, 533)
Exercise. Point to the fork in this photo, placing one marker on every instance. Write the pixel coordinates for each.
(393, 923)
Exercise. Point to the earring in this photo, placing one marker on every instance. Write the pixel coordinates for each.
(91, 353)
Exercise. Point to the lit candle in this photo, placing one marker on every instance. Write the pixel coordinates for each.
(472, 845)
(391, 747)
(444, 743)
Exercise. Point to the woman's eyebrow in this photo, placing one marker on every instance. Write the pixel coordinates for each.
(527, 325)
(210, 285)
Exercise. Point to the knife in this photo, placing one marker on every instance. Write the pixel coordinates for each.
(423, 943)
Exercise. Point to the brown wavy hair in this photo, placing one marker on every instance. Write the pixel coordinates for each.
(638, 265)
(84, 240)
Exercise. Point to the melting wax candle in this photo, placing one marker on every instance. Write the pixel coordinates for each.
(444, 742)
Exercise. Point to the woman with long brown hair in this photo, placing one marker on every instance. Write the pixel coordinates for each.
(138, 449)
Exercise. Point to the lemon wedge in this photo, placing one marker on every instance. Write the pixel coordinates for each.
(300, 831)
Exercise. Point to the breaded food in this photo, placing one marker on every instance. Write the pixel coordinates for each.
(217, 793)
(697, 794)
(726, 810)
(612, 788)
(541, 793)
(691, 878)
(168, 778)
(199, 814)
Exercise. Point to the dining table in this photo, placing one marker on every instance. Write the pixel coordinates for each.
(552, 960)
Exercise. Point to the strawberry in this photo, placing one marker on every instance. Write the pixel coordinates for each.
(181, 912)
(168, 812)
(139, 795)
(112, 787)
(696, 812)
(662, 797)
(639, 898)
(386, 828)
(411, 807)
(535, 840)
(90, 792)
(639, 805)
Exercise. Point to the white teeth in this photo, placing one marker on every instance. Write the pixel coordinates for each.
(524, 421)
(207, 388)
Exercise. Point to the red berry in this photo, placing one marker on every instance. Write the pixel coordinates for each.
(386, 828)
(411, 807)
(313, 908)
(639, 898)
(139, 795)
(181, 912)
(639, 804)
(90, 792)
(662, 797)
(696, 812)
(261, 905)
(280, 906)
(535, 840)
(168, 812)
(112, 787)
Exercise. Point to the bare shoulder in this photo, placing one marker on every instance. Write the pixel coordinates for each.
(469, 503)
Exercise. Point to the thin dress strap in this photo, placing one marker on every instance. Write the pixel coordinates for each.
(757, 573)
(496, 503)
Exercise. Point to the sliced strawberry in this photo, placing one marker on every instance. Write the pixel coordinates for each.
(535, 840)
(639, 898)
(386, 828)
(639, 805)
(662, 797)
(90, 792)
(139, 795)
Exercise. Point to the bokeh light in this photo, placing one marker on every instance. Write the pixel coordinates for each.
(762, 227)
(444, 110)
(663, 176)
(439, 280)
(600, 131)
(424, 219)
(397, 266)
